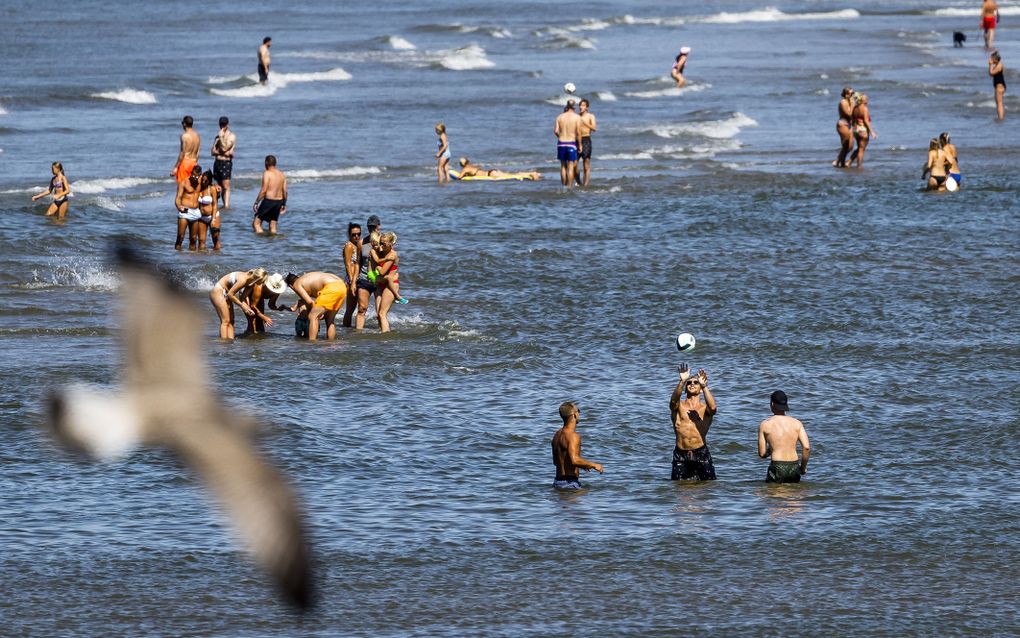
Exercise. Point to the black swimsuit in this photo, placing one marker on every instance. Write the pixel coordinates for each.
(999, 78)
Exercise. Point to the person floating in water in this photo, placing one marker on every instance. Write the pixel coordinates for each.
(467, 169)
(566, 451)
(264, 59)
(778, 436)
(677, 72)
(691, 421)
(60, 189)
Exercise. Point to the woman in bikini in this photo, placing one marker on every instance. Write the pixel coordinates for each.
(443, 154)
(950, 150)
(861, 122)
(385, 260)
(236, 288)
(846, 134)
(60, 189)
(677, 72)
(188, 212)
(935, 168)
(351, 266)
(467, 169)
(208, 205)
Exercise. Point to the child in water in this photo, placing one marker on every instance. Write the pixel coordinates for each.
(384, 263)
(443, 154)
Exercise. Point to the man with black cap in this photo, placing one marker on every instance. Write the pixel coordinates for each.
(777, 437)
(364, 287)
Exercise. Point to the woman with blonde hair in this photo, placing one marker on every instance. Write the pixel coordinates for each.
(236, 288)
(443, 154)
(935, 168)
(861, 121)
(384, 273)
(950, 150)
(59, 188)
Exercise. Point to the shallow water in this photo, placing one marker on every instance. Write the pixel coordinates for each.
(886, 313)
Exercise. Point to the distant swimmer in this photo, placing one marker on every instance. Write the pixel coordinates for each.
(232, 289)
(191, 145)
(677, 72)
(223, 155)
(989, 19)
(443, 154)
(846, 134)
(588, 126)
(567, 130)
(264, 59)
(691, 421)
(566, 451)
(271, 201)
(935, 168)
(954, 164)
(778, 436)
(320, 296)
(467, 169)
(188, 212)
(998, 71)
(863, 131)
(59, 188)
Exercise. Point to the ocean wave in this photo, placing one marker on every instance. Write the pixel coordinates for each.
(351, 171)
(466, 58)
(489, 30)
(558, 38)
(714, 129)
(278, 81)
(74, 274)
(109, 203)
(590, 24)
(956, 12)
(3, 111)
(399, 43)
(643, 155)
(101, 185)
(605, 96)
(226, 79)
(131, 96)
(693, 87)
(772, 14)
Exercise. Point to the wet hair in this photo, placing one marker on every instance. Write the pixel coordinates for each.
(943, 138)
(257, 276)
(58, 166)
(441, 127)
(207, 179)
(585, 102)
(188, 121)
(290, 279)
(224, 121)
(389, 237)
(463, 161)
(266, 40)
(567, 410)
(270, 160)
(847, 91)
(196, 170)
(933, 145)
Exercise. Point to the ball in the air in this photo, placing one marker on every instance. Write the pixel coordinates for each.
(685, 342)
(569, 87)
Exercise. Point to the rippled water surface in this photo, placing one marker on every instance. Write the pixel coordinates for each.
(887, 314)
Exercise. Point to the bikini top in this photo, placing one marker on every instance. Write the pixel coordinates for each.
(205, 200)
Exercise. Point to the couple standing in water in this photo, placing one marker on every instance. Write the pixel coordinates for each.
(854, 124)
(573, 142)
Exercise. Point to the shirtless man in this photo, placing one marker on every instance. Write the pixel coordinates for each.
(586, 129)
(271, 201)
(191, 144)
(778, 436)
(566, 451)
(568, 139)
(691, 420)
(223, 154)
(264, 59)
(188, 212)
(989, 18)
(320, 295)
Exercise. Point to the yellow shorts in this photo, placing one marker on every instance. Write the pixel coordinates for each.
(332, 295)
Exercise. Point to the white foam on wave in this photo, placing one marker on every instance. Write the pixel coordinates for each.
(605, 96)
(131, 96)
(101, 185)
(643, 155)
(466, 58)
(3, 111)
(565, 39)
(714, 129)
(350, 171)
(224, 79)
(772, 14)
(672, 91)
(957, 12)
(590, 24)
(74, 273)
(400, 44)
(109, 203)
(278, 81)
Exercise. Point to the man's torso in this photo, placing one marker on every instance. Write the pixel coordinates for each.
(585, 124)
(691, 423)
(568, 124)
(781, 434)
(274, 180)
(190, 144)
(561, 454)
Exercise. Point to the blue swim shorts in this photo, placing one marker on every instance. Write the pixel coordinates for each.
(566, 151)
(567, 483)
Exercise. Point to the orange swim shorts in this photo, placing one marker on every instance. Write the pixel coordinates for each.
(184, 169)
(332, 295)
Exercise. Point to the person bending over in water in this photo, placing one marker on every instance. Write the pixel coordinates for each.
(467, 169)
(935, 168)
(188, 213)
(384, 264)
(691, 421)
(443, 154)
(208, 205)
(998, 73)
(846, 134)
(320, 295)
(861, 121)
(236, 288)
(778, 436)
(566, 451)
(950, 150)
(677, 72)
(59, 188)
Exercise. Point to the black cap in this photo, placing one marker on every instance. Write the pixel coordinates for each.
(778, 399)
(373, 220)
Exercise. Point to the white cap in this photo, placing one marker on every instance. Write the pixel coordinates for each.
(685, 50)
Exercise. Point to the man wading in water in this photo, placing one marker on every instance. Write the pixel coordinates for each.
(566, 451)
(691, 420)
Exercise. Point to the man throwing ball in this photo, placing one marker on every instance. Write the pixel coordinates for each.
(691, 421)
(778, 436)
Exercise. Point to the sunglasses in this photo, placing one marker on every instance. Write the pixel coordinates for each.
(355, 234)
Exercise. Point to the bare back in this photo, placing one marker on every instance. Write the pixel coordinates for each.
(190, 144)
(562, 443)
(313, 282)
(568, 125)
(274, 183)
(988, 8)
(780, 434)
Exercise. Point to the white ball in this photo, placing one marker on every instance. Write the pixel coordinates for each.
(685, 342)
(569, 87)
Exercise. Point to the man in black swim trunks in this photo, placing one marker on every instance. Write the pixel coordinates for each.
(566, 451)
(264, 60)
(778, 436)
(271, 201)
(691, 421)
(588, 126)
(223, 156)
